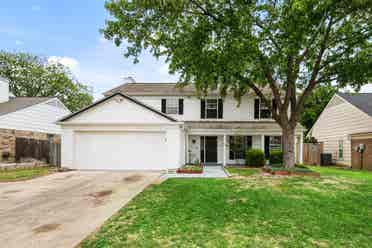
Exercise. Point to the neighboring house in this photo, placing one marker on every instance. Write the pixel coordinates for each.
(159, 126)
(345, 123)
(26, 117)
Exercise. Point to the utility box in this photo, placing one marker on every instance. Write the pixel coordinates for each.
(325, 159)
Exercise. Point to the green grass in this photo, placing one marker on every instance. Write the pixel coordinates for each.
(23, 174)
(253, 211)
(242, 171)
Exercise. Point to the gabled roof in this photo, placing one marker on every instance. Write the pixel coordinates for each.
(153, 89)
(160, 89)
(18, 103)
(111, 96)
(362, 101)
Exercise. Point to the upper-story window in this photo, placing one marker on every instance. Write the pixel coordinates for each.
(261, 111)
(265, 112)
(211, 108)
(172, 106)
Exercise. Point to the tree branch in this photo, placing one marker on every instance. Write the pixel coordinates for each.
(261, 95)
(314, 74)
(205, 11)
(270, 35)
(272, 83)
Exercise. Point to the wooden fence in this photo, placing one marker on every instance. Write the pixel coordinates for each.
(311, 153)
(43, 150)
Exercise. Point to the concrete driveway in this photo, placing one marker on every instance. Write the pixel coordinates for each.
(61, 209)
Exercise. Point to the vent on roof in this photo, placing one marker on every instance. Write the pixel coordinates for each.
(129, 80)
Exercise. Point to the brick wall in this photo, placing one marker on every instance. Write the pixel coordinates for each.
(8, 141)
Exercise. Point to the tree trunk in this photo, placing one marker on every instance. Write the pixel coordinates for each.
(288, 140)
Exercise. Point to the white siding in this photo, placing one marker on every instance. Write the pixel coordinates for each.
(120, 150)
(338, 121)
(36, 118)
(173, 144)
(121, 116)
(194, 149)
(232, 112)
(118, 110)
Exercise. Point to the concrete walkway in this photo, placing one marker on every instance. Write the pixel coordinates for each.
(208, 172)
(61, 209)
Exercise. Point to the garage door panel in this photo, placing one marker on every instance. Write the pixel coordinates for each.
(120, 150)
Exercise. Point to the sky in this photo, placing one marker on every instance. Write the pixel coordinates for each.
(68, 31)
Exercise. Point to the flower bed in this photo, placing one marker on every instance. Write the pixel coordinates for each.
(190, 169)
(296, 171)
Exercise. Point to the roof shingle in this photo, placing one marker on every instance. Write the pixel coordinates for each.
(18, 103)
(363, 101)
(160, 89)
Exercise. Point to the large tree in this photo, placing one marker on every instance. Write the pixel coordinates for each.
(30, 75)
(288, 46)
(315, 104)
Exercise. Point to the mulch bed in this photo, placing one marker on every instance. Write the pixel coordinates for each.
(181, 171)
(290, 172)
(190, 169)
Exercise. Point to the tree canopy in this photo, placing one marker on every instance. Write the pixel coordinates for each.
(289, 46)
(315, 104)
(32, 76)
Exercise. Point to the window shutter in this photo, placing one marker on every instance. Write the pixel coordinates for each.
(267, 146)
(231, 150)
(180, 106)
(274, 106)
(248, 143)
(202, 108)
(257, 108)
(220, 109)
(164, 105)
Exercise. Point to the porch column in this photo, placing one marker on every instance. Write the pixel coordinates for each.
(263, 143)
(224, 150)
(301, 147)
(187, 148)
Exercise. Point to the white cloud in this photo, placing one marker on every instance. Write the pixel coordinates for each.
(69, 62)
(35, 8)
(19, 42)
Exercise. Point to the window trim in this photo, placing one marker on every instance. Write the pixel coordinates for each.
(259, 110)
(176, 100)
(232, 140)
(274, 146)
(340, 148)
(206, 108)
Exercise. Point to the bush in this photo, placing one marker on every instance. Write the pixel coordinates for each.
(276, 157)
(255, 157)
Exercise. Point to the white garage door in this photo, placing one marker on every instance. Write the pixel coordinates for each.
(120, 150)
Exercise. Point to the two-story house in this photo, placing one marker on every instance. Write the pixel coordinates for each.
(160, 126)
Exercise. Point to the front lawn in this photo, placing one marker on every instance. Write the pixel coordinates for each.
(242, 171)
(24, 174)
(252, 211)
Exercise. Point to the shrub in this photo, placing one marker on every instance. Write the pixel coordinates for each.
(276, 157)
(255, 157)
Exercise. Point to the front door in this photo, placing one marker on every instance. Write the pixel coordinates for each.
(209, 149)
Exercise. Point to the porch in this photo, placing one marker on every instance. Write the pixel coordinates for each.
(225, 143)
